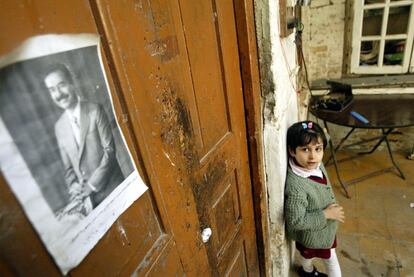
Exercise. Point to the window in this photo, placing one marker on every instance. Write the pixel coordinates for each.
(382, 39)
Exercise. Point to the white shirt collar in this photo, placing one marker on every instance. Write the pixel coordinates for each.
(302, 172)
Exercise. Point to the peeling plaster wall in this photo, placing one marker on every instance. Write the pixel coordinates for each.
(323, 38)
(277, 68)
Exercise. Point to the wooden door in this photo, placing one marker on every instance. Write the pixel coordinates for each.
(220, 180)
(174, 72)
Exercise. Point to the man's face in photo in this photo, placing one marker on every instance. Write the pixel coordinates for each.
(61, 90)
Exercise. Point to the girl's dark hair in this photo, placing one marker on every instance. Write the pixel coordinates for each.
(302, 133)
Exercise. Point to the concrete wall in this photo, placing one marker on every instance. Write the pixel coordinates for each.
(277, 68)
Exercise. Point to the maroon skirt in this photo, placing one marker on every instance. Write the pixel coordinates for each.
(309, 253)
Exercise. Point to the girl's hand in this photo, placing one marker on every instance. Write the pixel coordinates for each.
(335, 212)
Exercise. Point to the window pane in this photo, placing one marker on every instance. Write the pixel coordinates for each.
(394, 52)
(372, 22)
(369, 53)
(398, 20)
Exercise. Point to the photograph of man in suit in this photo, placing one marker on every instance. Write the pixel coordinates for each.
(85, 142)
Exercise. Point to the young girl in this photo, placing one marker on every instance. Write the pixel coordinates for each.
(311, 211)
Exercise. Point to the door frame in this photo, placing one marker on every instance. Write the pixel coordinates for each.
(250, 75)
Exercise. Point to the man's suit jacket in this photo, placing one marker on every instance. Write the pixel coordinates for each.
(93, 160)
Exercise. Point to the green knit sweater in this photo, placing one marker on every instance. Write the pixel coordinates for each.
(305, 201)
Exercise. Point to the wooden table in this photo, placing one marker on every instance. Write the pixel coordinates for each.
(384, 113)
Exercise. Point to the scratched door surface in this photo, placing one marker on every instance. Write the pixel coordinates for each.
(220, 181)
(173, 69)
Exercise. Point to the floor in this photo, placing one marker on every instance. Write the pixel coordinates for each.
(377, 238)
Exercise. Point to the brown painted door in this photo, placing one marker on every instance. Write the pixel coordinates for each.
(220, 180)
(173, 68)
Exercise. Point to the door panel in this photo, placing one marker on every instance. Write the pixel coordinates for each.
(225, 214)
(135, 234)
(202, 44)
(222, 181)
(235, 261)
(174, 73)
(168, 264)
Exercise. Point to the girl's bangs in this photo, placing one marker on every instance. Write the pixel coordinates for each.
(310, 137)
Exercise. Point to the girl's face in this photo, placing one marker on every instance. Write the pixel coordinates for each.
(309, 156)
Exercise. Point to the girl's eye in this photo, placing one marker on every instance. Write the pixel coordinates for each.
(318, 149)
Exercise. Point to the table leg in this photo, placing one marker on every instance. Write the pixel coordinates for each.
(340, 144)
(390, 151)
(382, 138)
(335, 162)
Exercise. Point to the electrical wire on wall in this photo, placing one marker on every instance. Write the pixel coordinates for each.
(292, 79)
(298, 41)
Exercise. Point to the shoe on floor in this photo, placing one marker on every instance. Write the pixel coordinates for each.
(314, 273)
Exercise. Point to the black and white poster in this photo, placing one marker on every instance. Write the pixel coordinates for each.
(61, 149)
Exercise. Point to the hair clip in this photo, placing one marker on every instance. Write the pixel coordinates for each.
(306, 126)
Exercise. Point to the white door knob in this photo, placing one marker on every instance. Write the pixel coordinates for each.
(206, 234)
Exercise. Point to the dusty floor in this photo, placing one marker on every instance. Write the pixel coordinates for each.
(377, 238)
